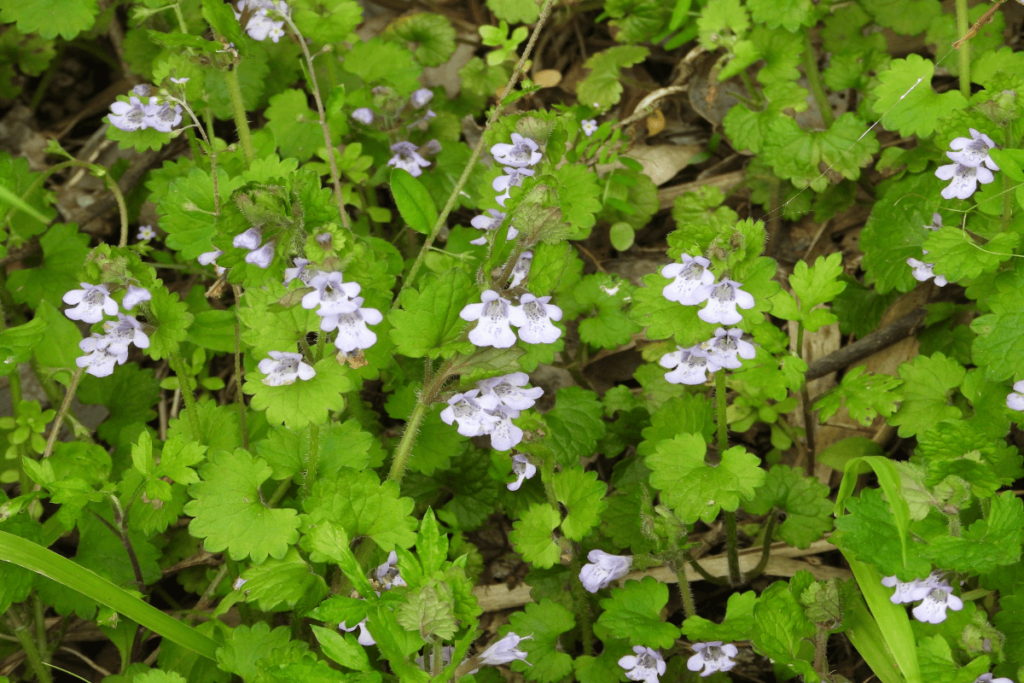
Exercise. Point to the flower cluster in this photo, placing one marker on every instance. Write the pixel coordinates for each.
(133, 115)
(1015, 399)
(934, 592)
(260, 255)
(602, 568)
(408, 156)
(923, 271)
(515, 159)
(265, 18)
(971, 165)
(490, 408)
(644, 664)
(104, 351)
(341, 308)
(388, 576)
(693, 284)
(495, 317)
(283, 368)
(712, 657)
(691, 365)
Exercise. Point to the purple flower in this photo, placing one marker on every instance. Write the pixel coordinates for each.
(128, 116)
(722, 303)
(284, 368)
(644, 664)
(965, 179)
(521, 269)
(90, 303)
(333, 296)
(504, 651)
(407, 158)
(364, 639)
(712, 657)
(907, 591)
(352, 331)
(179, 81)
(250, 239)
(973, 151)
(923, 271)
(932, 609)
(387, 574)
(1015, 400)
(533, 318)
(100, 357)
(510, 391)
(262, 257)
(299, 272)
(142, 90)
(489, 223)
(493, 328)
(162, 117)
(472, 412)
(692, 280)
(691, 366)
(522, 152)
(146, 232)
(134, 296)
(589, 127)
(208, 257)
(421, 98)
(126, 331)
(602, 569)
(523, 469)
(363, 115)
(505, 183)
(727, 347)
(505, 435)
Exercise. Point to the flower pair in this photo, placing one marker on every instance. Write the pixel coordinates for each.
(133, 115)
(260, 255)
(515, 158)
(971, 165)
(934, 592)
(265, 20)
(103, 351)
(495, 317)
(693, 284)
(341, 308)
(490, 408)
(924, 271)
(691, 365)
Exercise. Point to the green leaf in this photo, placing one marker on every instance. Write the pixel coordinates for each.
(363, 506)
(429, 611)
(413, 201)
(579, 196)
(50, 18)
(781, 52)
(687, 414)
(64, 252)
(432, 36)
(130, 395)
(928, 383)
(222, 20)
(964, 450)
(696, 490)
(515, 11)
(859, 308)
(958, 257)
(18, 181)
(229, 511)
(609, 295)
(304, 401)
(869, 533)
(633, 613)
(187, 211)
(545, 621)
(781, 629)
(800, 156)
(720, 19)
(985, 544)
(246, 646)
(532, 535)
(296, 127)
(327, 21)
(790, 14)
(428, 322)
(737, 625)
(905, 17)
(172, 319)
(938, 665)
(865, 396)
(377, 60)
(621, 235)
(285, 584)
(574, 425)
(582, 494)
(803, 499)
(700, 219)
(342, 445)
(601, 88)
(819, 284)
(906, 101)
(343, 649)
(268, 327)
(999, 345)
(17, 343)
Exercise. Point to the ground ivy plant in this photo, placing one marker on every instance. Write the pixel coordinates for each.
(318, 364)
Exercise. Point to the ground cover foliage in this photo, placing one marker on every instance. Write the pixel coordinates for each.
(628, 340)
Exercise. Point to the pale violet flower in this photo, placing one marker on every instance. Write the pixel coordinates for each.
(163, 117)
(299, 272)
(522, 152)
(691, 366)
(146, 232)
(363, 115)
(472, 412)
(932, 609)
(408, 158)
(589, 127)
(1015, 400)
(603, 568)
(421, 98)
(90, 303)
(127, 330)
(644, 664)
(973, 151)
(333, 296)
(387, 574)
(923, 271)
(239, 582)
(283, 368)
(533, 318)
(134, 296)
(364, 639)
(712, 657)
(494, 326)
(513, 178)
(936, 222)
(423, 122)
(250, 239)
(276, 31)
(263, 20)
(523, 469)
(505, 435)
(987, 678)
(510, 391)
(142, 90)
(906, 591)
(432, 147)
(691, 284)
(352, 331)
(129, 116)
(965, 179)
(504, 651)
(100, 357)
(727, 347)
(179, 81)
(208, 257)
(489, 221)
(521, 269)
(721, 305)
(262, 257)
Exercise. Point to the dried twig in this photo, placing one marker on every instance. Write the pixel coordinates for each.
(862, 348)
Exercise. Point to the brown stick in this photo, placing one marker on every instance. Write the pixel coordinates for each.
(862, 348)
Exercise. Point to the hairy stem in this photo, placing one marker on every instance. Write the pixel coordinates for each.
(454, 196)
(311, 459)
(705, 574)
(185, 385)
(963, 25)
(814, 80)
(579, 594)
(689, 608)
(1008, 141)
(766, 545)
(238, 370)
(805, 399)
(39, 619)
(820, 652)
(732, 549)
(122, 208)
(35, 662)
(64, 407)
(404, 450)
(238, 110)
(731, 540)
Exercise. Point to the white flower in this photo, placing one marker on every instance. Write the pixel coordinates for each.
(283, 368)
(906, 591)
(387, 574)
(987, 678)
(333, 296)
(352, 331)
(936, 222)
(1015, 400)
(129, 116)
(407, 158)
(521, 269)
(90, 303)
(276, 31)
(134, 296)
(363, 115)
(100, 357)
(644, 665)
(691, 366)
(472, 412)
(127, 330)
(262, 257)
(505, 183)
(712, 657)
(179, 81)
(299, 272)
(162, 117)
(923, 272)
(489, 223)
(146, 232)
(589, 127)
(261, 22)
(932, 609)
(965, 179)
(493, 328)
(522, 152)
(509, 391)
(505, 435)
(421, 98)
(692, 280)
(973, 151)
(721, 306)
(533, 318)
(602, 569)
(239, 582)
(208, 257)
(250, 239)
(504, 651)
(364, 639)
(523, 469)
(727, 347)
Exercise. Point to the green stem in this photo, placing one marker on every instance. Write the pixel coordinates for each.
(35, 662)
(689, 608)
(182, 26)
(820, 652)
(14, 378)
(436, 649)
(311, 459)
(814, 80)
(39, 619)
(279, 492)
(238, 369)
(579, 594)
(707, 576)
(732, 548)
(720, 401)
(766, 545)
(805, 399)
(963, 24)
(122, 208)
(64, 407)
(185, 386)
(1007, 181)
(731, 539)
(404, 450)
(238, 110)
